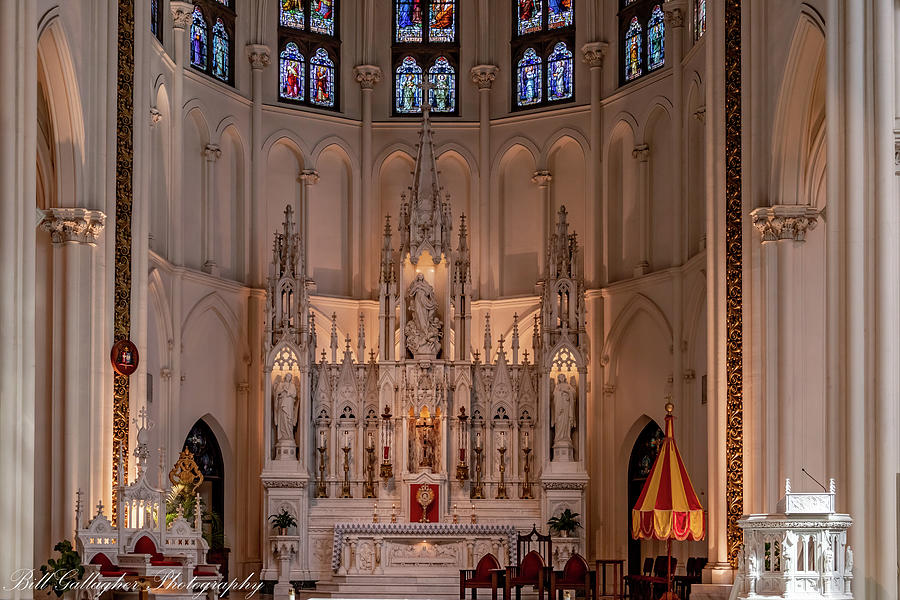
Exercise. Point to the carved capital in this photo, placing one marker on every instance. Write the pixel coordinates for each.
(785, 221)
(593, 54)
(182, 13)
(155, 116)
(259, 56)
(541, 178)
(642, 152)
(674, 12)
(700, 114)
(79, 225)
(308, 176)
(483, 76)
(367, 76)
(212, 152)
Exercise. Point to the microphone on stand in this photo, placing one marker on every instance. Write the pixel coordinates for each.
(814, 479)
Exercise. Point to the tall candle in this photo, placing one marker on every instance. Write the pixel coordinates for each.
(525, 442)
(346, 438)
(478, 440)
(387, 450)
(503, 440)
(371, 440)
(321, 438)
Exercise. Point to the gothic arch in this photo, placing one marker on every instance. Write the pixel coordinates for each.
(623, 119)
(159, 304)
(656, 104)
(214, 303)
(228, 122)
(503, 151)
(639, 303)
(333, 140)
(464, 154)
(289, 139)
(558, 137)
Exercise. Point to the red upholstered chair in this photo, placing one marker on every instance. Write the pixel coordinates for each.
(145, 545)
(486, 575)
(107, 568)
(576, 575)
(532, 571)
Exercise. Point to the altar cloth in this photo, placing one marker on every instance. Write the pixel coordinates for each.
(419, 530)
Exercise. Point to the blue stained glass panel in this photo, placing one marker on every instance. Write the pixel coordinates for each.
(529, 89)
(559, 73)
(321, 79)
(154, 17)
(633, 50)
(291, 73)
(561, 13)
(442, 77)
(699, 19)
(442, 21)
(198, 39)
(321, 16)
(290, 14)
(408, 15)
(530, 13)
(656, 39)
(408, 86)
(220, 67)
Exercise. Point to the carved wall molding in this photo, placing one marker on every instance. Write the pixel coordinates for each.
(258, 55)
(483, 76)
(368, 76)
(182, 13)
(79, 225)
(785, 222)
(593, 54)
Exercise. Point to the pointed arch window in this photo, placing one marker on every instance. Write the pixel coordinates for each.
(542, 40)
(309, 53)
(425, 45)
(156, 20)
(212, 35)
(642, 38)
(699, 19)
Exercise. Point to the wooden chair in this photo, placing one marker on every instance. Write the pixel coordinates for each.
(487, 574)
(609, 580)
(531, 571)
(637, 586)
(576, 575)
(534, 541)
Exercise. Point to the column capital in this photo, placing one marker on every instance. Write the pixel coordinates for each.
(155, 116)
(541, 178)
(367, 76)
(212, 152)
(309, 176)
(642, 152)
(483, 76)
(182, 13)
(593, 53)
(79, 225)
(674, 12)
(259, 55)
(785, 221)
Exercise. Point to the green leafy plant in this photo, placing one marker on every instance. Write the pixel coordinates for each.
(179, 495)
(65, 570)
(283, 520)
(566, 522)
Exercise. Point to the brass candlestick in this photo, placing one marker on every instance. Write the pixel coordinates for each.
(527, 493)
(501, 487)
(477, 492)
(345, 487)
(462, 467)
(387, 469)
(321, 490)
(370, 472)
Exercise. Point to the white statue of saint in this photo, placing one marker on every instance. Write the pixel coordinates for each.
(423, 330)
(563, 411)
(422, 302)
(285, 408)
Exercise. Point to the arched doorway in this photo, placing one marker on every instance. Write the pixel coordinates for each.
(202, 443)
(643, 453)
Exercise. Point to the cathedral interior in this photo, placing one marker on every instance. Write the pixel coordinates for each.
(417, 298)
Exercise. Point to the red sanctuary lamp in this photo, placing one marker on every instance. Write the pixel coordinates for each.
(387, 469)
(462, 466)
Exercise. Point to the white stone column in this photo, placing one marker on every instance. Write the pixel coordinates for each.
(542, 179)
(211, 152)
(181, 20)
(18, 119)
(593, 54)
(258, 55)
(368, 76)
(74, 232)
(642, 154)
(307, 178)
(483, 77)
(674, 22)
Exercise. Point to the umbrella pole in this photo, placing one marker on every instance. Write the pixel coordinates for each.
(669, 594)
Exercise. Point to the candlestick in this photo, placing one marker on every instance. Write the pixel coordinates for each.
(478, 442)
(527, 493)
(345, 487)
(375, 513)
(455, 515)
(501, 486)
(525, 443)
(478, 488)
(321, 438)
(502, 442)
(474, 518)
(393, 513)
(387, 469)
(369, 491)
(321, 490)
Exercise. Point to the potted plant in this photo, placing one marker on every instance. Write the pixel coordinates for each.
(60, 574)
(564, 524)
(282, 521)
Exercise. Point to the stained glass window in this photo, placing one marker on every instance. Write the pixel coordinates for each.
(291, 73)
(321, 16)
(442, 21)
(442, 95)
(560, 14)
(633, 50)
(656, 39)
(408, 86)
(529, 89)
(321, 79)
(699, 19)
(290, 14)
(198, 39)
(530, 15)
(559, 73)
(408, 15)
(155, 27)
(220, 51)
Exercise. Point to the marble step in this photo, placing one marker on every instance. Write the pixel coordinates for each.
(384, 587)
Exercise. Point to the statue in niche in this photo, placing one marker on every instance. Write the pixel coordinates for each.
(563, 411)
(285, 393)
(423, 329)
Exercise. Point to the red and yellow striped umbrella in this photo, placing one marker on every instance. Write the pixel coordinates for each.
(668, 507)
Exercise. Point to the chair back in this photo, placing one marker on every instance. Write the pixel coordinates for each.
(534, 541)
(576, 568)
(648, 566)
(532, 566)
(487, 563)
(690, 567)
(661, 569)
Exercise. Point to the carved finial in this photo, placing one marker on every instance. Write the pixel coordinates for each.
(832, 488)
(99, 508)
(334, 338)
(361, 339)
(487, 336)
(787, 485)
(323, 355)
(525, 360)
(515, 339)
(372, 355)
(198, 519)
